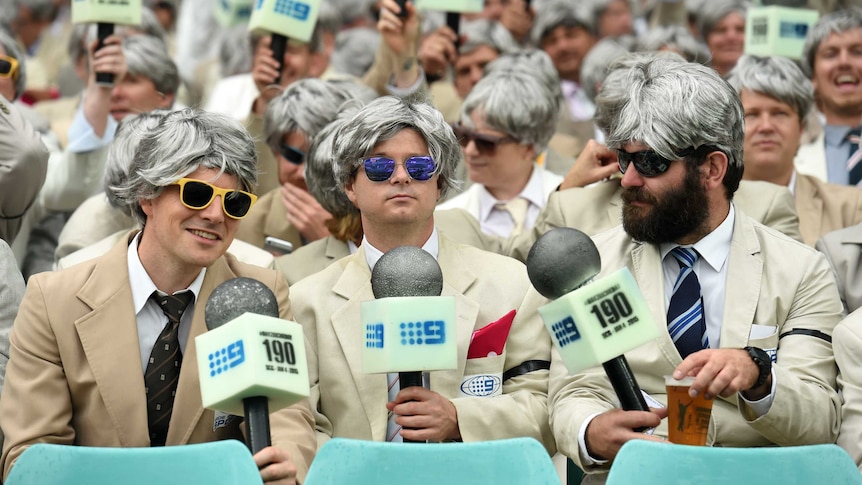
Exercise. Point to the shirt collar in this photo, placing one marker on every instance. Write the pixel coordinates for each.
(142, 285)
(372, 254)
(533, 192)
(836, 135)
(714, 248)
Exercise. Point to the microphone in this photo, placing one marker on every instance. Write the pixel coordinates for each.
(284, 20)
(250, 359)
(105, 14)
(777, 31)
(590, 322)
(409, 328)
(453, 9)
(232, 12)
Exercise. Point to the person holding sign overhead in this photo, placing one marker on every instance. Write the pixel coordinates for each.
(753, 330)
(394, 160)
(103, 353)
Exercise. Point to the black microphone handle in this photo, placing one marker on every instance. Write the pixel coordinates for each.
(402, 4)
(626, 386)
(453, 21)
(408, 379)
(278, 44)
(257, 423)
(104, 30)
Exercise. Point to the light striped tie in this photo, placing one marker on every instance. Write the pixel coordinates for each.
(393, 430)
(517, 209)
(685, 319)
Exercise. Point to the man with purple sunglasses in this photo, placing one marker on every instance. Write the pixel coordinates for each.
(394, 160)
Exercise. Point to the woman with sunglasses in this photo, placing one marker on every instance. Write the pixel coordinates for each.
(506, 122)
(393, 160)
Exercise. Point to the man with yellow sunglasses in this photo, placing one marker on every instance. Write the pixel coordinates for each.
(84, 342)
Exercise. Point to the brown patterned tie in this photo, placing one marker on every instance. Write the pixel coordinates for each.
(163, 369)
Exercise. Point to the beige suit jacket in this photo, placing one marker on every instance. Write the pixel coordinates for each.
(23, 167)
(349, 404)
(843, 250)
(847, 341)
(74, 374)
(824, 207)
(599, 207)
(811, 158)
(268, 218)
(799, 300)
(267, 164)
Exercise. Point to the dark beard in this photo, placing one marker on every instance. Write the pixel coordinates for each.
(677, 214)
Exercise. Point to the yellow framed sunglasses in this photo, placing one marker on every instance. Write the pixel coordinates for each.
(8, 67)
(198, 195)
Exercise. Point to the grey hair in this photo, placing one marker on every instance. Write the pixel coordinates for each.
(562, 13)
(10, 47)
(534, 62)
(318, 168)
(484, 32)
(833, 23)
(184, 141)
(776, 77)
(148, 57)
(714, 11)
(122, 149)
(235, 51)
(594, 68)
(329, 17)
(674, 37)
(41, 9)
(381, 120)
(306, 106)
(517, 104)
(354, 50)
(672, 105)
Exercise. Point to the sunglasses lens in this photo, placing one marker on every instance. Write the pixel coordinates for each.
(292, 155)
(5, 67)
(420, 168)
(237, 204)
(485, 146)
(379, 169)
(647, 163)
(196, 194)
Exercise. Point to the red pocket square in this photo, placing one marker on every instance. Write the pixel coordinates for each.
(491, 339)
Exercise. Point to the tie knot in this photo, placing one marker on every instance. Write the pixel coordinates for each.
(685, 256)
(173, 306)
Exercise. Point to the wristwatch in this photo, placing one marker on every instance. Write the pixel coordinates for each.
(764, 364)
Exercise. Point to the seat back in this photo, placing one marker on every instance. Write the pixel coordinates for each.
(647, 462)
(219, 462)
(517, 460)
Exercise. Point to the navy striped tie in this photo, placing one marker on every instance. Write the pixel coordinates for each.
(685, 320)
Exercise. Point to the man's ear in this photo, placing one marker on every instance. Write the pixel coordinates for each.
(715, 167)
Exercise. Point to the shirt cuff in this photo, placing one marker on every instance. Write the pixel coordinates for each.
(586, 459)
(82, 138)
(394, 90)
(761, 406)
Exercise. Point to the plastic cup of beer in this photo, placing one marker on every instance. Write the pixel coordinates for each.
(687, 417)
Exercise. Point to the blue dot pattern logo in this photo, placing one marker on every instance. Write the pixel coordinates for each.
(374, 336)
(226, 358)
(292, 8)
(565, 331)
(481, 386)
(431, 332)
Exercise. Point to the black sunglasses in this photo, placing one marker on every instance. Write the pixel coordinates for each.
(380, 169)
(485, 144)
(198, 195)
(648, 163)
(292, 154)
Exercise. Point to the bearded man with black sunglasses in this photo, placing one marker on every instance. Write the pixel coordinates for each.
(394, 160)
(758, 325)
(90, 342)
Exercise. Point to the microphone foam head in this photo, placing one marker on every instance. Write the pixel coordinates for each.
(406, 271)
(237, 296)
(561, 261)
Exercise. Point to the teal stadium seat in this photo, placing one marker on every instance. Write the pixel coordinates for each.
(519, 461)
(221, 462)
(646, 462)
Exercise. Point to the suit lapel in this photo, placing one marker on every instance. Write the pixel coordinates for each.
(809, 207)
(742, 289)
(354, 286)
(457, 280)
(335, 249)
(188, 408)
(648, 272)
(109, 338)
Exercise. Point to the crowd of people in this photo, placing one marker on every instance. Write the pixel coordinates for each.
(728, 184)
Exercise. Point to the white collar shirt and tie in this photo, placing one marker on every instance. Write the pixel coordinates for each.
(510, 218)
